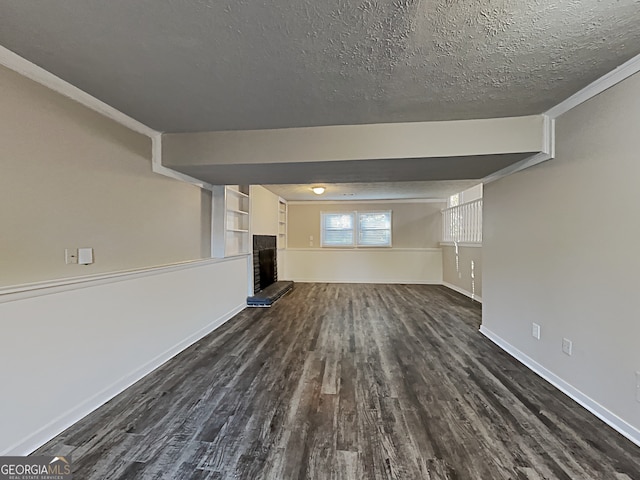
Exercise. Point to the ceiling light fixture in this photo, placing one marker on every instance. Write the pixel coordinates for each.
(318, 190)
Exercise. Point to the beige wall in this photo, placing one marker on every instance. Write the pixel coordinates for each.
(71, 178)
(463, 269)
(414, 225)
(559, 251)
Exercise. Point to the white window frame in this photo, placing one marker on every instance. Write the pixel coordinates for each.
(356, 229)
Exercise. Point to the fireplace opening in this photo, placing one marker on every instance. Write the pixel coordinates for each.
(265, 262)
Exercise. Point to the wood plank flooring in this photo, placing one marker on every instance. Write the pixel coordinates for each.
(340, 381)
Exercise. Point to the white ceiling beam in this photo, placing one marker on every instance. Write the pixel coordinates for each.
(357, 142)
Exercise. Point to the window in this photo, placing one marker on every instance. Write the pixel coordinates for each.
(340, 229)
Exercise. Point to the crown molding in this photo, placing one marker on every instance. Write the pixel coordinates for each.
(47, 79)
(624, 71)
(157, 167)
(548, 152)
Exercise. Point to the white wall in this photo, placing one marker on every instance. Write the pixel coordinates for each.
(357, 142)
(558, 250)
(264, 211)
(67, 350)
(364, 265)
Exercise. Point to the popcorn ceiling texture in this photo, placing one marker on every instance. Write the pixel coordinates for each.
(201, 65)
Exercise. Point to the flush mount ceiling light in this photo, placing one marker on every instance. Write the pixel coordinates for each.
(318, 190)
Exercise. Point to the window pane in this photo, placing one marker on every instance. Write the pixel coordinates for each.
(338, 237)
(338, 221)
(375, 220)
(338, 229)
(375, 237)
(374, 229)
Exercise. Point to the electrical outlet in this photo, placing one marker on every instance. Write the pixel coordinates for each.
(70, 255)
(567, 346)
(535, 331)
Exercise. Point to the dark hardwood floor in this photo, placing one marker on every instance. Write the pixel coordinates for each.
(339, 381)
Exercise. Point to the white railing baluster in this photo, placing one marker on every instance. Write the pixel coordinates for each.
(463, 223)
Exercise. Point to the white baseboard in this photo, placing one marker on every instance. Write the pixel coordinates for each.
(358, 280)
(477, 298)
(608, 417)
(64, 421)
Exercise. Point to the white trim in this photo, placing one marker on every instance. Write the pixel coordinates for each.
(38, 74)
(28, 290)
(516, 167)
(458, 289)
(47, 79)
(603, 83)
(362, 249)
(366, 282)
(548, 152)
(608, 417)
(64, 421)
(343, 202)
(157, 167)
(461, 244)
(454, 207)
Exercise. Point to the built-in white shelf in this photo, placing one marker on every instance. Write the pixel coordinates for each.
(239, 193)
(230, 226)
(282, 223)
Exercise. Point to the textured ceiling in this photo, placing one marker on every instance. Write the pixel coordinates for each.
(374, 191)
(202, 65)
